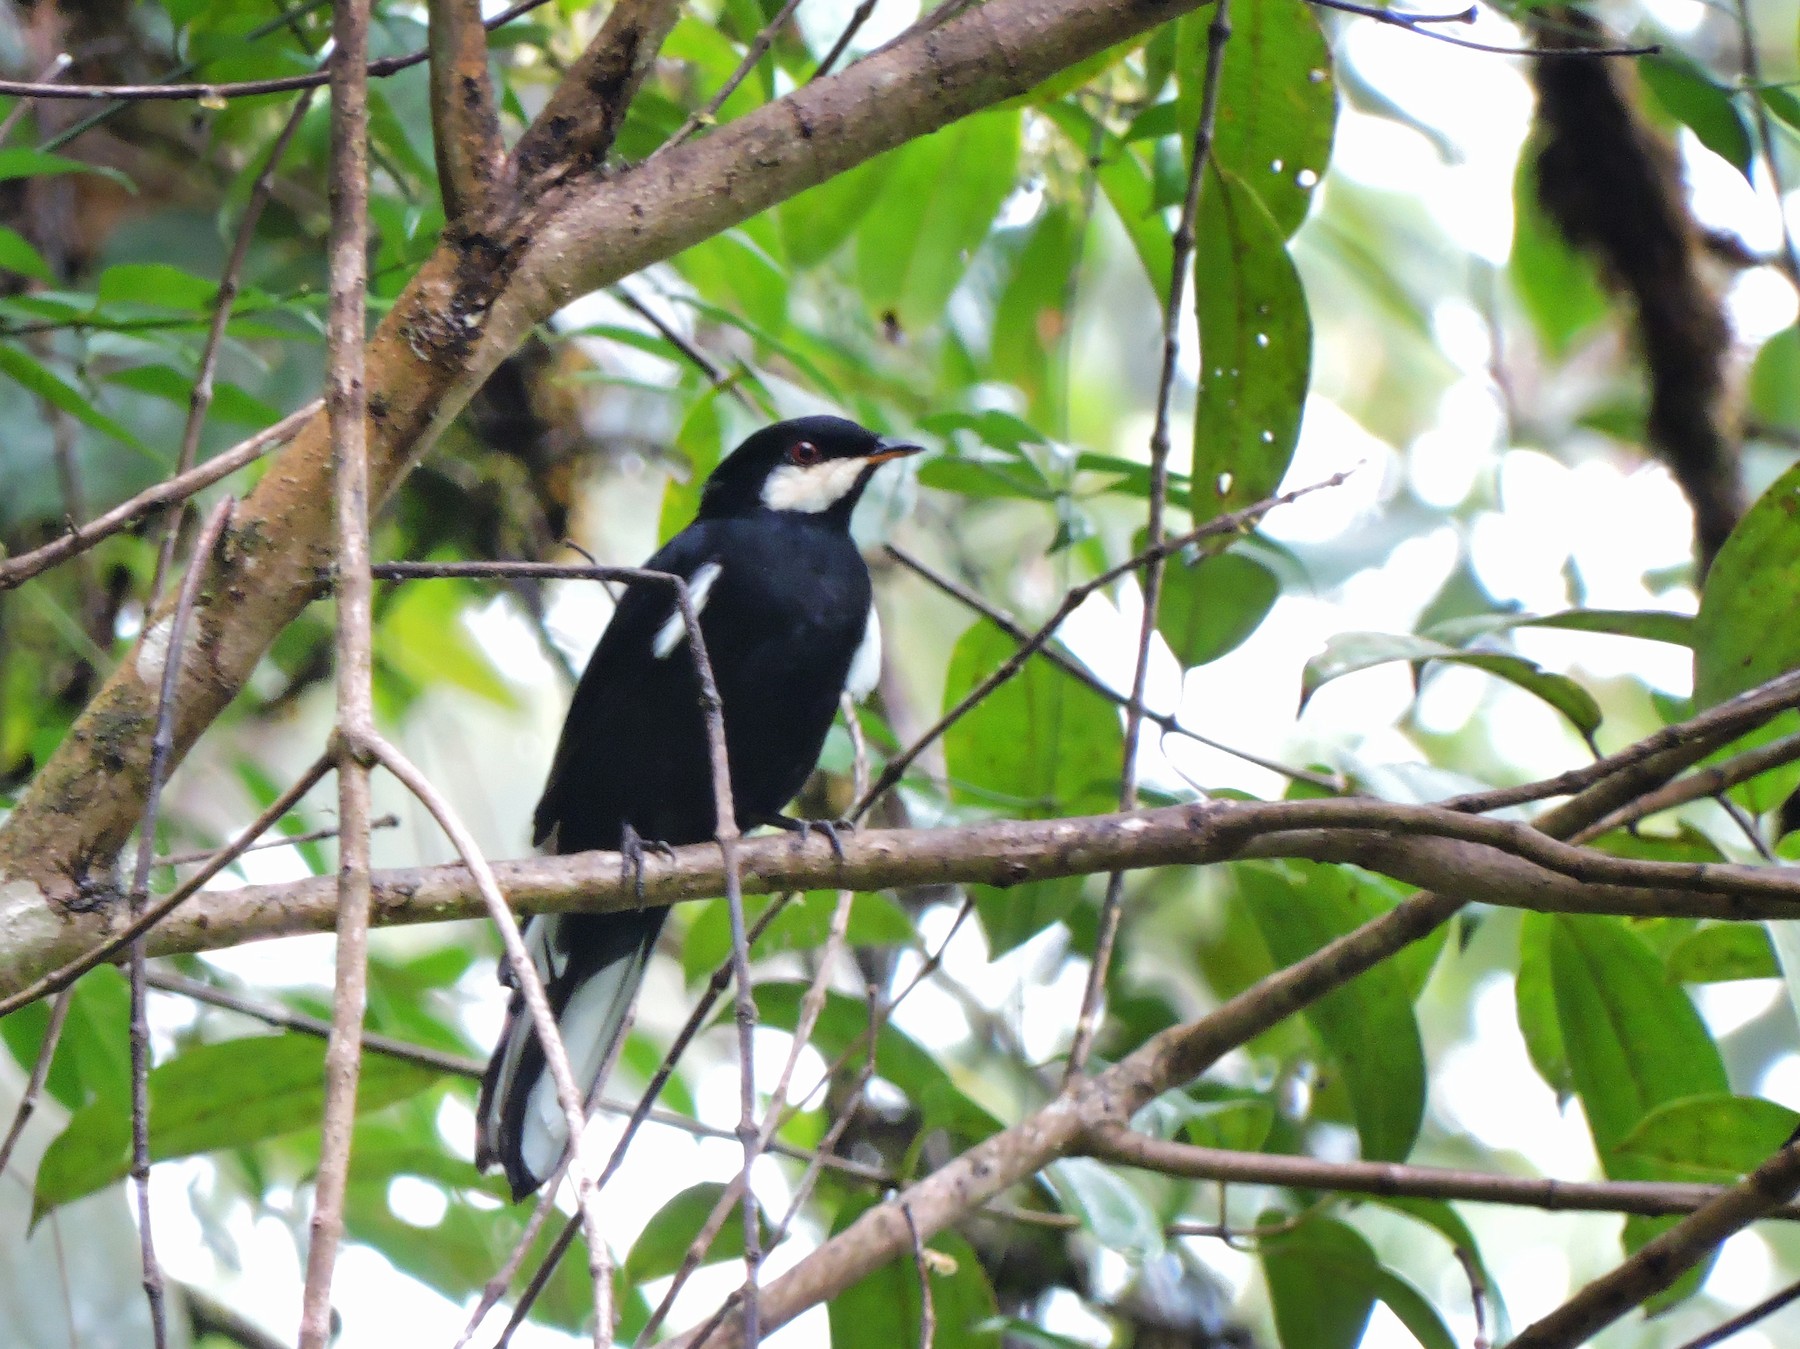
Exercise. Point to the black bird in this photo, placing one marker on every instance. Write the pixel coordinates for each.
(786, 614)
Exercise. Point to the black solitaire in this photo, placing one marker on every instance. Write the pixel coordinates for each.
(786, 614)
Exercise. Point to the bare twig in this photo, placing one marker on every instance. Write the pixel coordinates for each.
(927, 1312)
(531, 988)
(1218, 32)
(140, 93)
(758, 48)
(161, 749)
(1424, 26)
(844, 39)
(1659, 1262)
(1651, 1199)
(346, 404)
(1170, 723)
(59, 63)
(1478, 1294)
(1218, 527)
(15, 571)
(182, 859)
(40, 1070)
(1745, 1319)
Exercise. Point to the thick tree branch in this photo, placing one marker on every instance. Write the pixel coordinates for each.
(465, 126)
(1481, 860)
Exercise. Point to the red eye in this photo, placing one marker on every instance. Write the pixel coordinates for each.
(805, 454)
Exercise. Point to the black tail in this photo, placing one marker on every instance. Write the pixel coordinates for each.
(591, 965)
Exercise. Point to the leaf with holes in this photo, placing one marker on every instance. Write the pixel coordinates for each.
(1255, 350)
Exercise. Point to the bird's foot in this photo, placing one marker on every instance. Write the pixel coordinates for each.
(832, 829)
(632, 848)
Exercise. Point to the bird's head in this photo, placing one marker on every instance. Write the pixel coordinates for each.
(810, 465)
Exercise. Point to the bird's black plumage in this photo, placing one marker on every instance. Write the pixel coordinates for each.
(785, 610)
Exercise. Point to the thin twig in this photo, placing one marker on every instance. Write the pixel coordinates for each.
(531, 988)
(844, 39)
(139, 93)
(346, 406)
(1659, 1262)
(15, 571)
(59, 63)
(1765, 136)
(1170, 723)
(1745, 1319)
(754, 53)
(161, 749)
(1478, 1294)
(182, 859)
(40, 1071)
(927, 1312)
(1220, 526)
(812, 1003)
(1218, 33)
(1422, 24)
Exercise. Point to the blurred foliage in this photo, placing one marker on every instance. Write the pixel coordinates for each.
(997, 289)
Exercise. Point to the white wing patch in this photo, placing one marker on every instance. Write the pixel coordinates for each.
(674, 632)
(865, 665)
(814, 488)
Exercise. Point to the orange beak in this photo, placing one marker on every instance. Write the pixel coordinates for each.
(886, 449)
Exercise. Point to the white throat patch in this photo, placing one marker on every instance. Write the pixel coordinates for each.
(814, 488)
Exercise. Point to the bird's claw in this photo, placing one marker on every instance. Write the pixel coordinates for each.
(832, 830)
(632, 847)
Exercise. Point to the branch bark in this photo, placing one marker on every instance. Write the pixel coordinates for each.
(464, 123)
(1478, 860)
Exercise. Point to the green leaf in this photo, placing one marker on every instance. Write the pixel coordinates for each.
(20, 162)
(1127, 185)
(802, 925)
(17, 255)
(1415, 1313)
(1277, 102)
(1210, 608)
(1722, 952)
(1367, 1026)
(39, 379)
(1535, 1005)
(93, 1057)
(1634, 1039)
(155, 284)
(1709, 111)
(1713, 1140)
(1349, 652)
(884, 1308)
(1558, 286)
(202, 1100)
(1321, 1279)
(1774, 385)
(1256, 350)
(1039, 746)
(933, 211)
(663, 1244)
(1234, 1126)
(1649, 624)
(1029, 319)
(1443, 1219)
(423, 637)
(1736, 646)
(1635, 1043)
(1107, 1205)
(815, 224)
